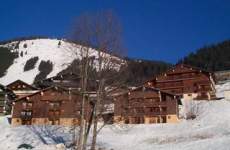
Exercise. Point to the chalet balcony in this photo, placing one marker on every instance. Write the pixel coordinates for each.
(146, 114)
(175, 79)
(27, 108)
(149, 104)
(203, 83)
(204, 89)
(54, 108)
(55, 97)
(141, 95)
(171, 87)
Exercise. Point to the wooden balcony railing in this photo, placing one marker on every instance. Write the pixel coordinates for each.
(145, 114)
(150, 104)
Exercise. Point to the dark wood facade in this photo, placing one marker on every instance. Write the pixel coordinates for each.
(2, 101)
(146, 105)
(67, 80)
(51, 106)
(187, 82)
(21, 89)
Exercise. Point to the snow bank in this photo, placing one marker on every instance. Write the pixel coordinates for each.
(221, 88)
(210, 130)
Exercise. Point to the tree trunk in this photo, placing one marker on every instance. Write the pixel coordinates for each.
(84, 76)
(97, 105)
(96, 114)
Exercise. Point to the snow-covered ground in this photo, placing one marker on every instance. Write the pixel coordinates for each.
(61, 53)
(209, 131)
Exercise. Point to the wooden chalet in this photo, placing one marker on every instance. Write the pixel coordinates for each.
(21, 89)
(50, 106)
(187, 82)
(68, 80)
(146, 105)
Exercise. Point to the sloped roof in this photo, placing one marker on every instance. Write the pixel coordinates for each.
(22, 82)
(60, 76)
(144, 88)
(46, 89)
(181, 65)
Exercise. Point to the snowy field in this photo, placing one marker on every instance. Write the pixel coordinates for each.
(209, 131)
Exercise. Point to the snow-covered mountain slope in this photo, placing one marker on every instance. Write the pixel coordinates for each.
(209, 131)
(61, 53)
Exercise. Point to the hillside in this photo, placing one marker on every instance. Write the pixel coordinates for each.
(31, 59)
(36, 59)
(213, 58)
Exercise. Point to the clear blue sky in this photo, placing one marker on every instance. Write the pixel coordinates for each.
(153, 29)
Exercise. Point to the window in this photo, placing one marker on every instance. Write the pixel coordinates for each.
(163, 98)
(164, 109)
(157, 109)
(51, 105)
(29, 113)
(152, 120)
(54, 105)
(29, 104)
(163, 119)
(138, 120)
(139, 110)
(151, 109)
(23, 113)
(26, 113)
(24, 104)
(51, 113)
(57, 113)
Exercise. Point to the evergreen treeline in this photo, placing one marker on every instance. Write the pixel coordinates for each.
(132, 74)
(211, 58)
(45, 69)
(30, 64)
(22, 39)
(138, 71)
(6, 59)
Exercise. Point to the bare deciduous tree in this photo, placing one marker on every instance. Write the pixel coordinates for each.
(103, 32)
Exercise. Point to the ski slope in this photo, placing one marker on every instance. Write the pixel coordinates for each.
(60, 52)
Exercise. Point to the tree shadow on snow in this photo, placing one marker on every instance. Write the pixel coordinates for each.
(47, 134)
